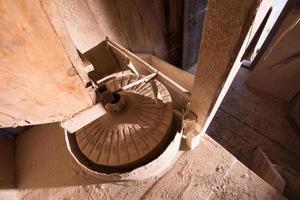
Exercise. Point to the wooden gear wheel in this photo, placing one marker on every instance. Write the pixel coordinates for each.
(134, 135)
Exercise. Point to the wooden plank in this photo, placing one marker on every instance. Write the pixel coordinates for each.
(263, 167)
(226, 25)
(81, 24)
(277, 70)
(180, 76)
(83, 118)
(37, 81)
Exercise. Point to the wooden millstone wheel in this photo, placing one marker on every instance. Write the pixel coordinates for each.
(134, 135)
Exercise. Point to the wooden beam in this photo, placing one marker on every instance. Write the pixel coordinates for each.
(226, 25)
(180, 76)
(83, 118)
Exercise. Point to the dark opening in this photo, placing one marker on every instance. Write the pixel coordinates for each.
(116, 98)
(251, 47)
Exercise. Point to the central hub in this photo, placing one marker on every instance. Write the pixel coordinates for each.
(117, 103)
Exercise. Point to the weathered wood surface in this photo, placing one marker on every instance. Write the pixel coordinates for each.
(180, 76)
(37, 81)
(84, 118)
(198, 174)
(136, 25)
(226, 25)
(81, 24)
(277, 71)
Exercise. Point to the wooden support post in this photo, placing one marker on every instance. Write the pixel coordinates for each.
(226, 26)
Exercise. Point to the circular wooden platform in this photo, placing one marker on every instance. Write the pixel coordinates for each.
(129, 137)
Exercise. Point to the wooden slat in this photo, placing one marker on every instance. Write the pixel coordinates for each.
(83, 118)
(37, 81)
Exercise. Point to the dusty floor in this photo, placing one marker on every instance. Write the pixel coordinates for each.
(249, 118)
(47, 171)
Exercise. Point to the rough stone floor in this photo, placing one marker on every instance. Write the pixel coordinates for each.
(247, 119)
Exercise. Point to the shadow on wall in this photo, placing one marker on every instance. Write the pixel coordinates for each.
(7, 157)
(7, 164)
